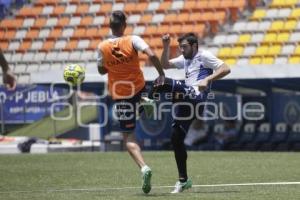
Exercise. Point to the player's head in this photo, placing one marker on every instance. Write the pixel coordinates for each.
(117, 22)
(188, 44)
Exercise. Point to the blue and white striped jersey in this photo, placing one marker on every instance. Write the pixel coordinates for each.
(199, 67)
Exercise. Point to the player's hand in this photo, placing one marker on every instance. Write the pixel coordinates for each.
(166, 40)
(159, 81)
(9, 80)
(203, 84)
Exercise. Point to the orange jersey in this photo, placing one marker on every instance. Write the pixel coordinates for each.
(121, 61)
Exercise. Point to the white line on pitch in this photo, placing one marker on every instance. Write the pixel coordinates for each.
(126, 188)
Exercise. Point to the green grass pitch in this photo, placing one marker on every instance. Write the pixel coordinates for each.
(89, 176)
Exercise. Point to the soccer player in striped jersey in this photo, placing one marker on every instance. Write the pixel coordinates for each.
(201, 68)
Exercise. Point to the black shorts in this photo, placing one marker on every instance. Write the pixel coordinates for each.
(126, 111)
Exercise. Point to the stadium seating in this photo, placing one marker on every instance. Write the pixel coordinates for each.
(59, 26)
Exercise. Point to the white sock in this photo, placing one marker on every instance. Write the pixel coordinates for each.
(145, 168)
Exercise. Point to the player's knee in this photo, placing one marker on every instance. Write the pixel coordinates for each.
(131, 146)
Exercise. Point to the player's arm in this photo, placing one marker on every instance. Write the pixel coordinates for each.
(101, 69)
(220, 72)
(166, 53)
(9, 79)
(221, 69)
(140, 45)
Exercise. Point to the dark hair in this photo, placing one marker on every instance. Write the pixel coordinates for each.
(117, 19)
(190, 37)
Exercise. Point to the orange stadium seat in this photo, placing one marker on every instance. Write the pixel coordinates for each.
(11, 23)
(145, 19)
(104, 31)
(170, 18)
(80, 33)
(176, 29)
(71, 45)
(141, 6)
(201, 6)
(128, 30)
(92, 32)
(62, 22)
(32, 33)
(105, 8)
(94, 44)
(25, 45)
(156, 42)
(130, 7)
(39, 23)
(58, 10)
(212, 5)
(82, 9)
(183, 17)
(225, 5)
(46, 2)
(163, 29)
(55, 33)
(195, 17)
(86, 21)
(9, 35)
(238, 5)
(164, 6)
(2, 33)
(30, 11)
(150, 30)
(3, 45)
(48, 45)
(189, 5)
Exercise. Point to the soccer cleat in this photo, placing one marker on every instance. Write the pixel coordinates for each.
(180, 187)
(147, 181)
(148, 105)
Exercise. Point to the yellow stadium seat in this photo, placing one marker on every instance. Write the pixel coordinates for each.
(274, 50)
(277, 25)
(283, 3)
(237, 51)
(294, 60)
(297, 50)
(283, 37)
(224, 52)
(230, 61)
(270, 37)
(258, 14)
(255, 60)
(290, 25)
(267, 60)
(262, 50)
(244, 38)
(295, 13)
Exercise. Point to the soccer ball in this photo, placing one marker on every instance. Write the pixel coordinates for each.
(74, 74)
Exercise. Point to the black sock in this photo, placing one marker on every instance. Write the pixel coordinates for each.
(180, 152)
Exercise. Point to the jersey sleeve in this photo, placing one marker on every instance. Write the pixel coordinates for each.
(178, 62)
(138, 43)
(211, 61)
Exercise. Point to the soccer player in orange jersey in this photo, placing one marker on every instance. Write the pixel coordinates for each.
(118, 57)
